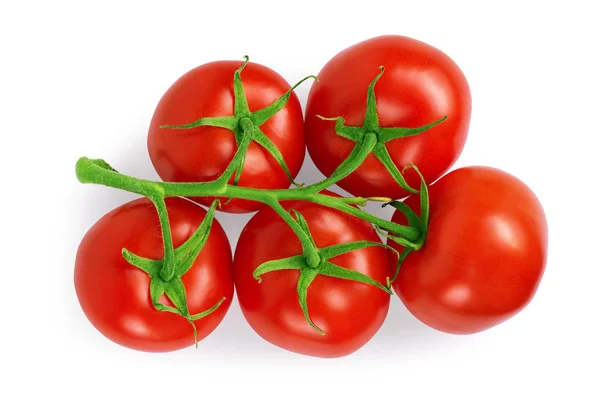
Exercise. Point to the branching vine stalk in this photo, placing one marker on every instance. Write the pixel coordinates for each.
(370, 139)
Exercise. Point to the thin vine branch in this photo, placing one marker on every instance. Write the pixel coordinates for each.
(99, 172)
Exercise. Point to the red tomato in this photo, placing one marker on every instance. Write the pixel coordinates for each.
(420, 85)
(484, 255)
(349, 312)
(114, 295)
(201, 154)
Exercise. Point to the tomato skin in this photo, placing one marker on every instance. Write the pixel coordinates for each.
(484, 255)
(201, 154)
(420, 85)
(114, 295)
(350, 313)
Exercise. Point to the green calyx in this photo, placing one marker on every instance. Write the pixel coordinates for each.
(245, 125)
(166, 273)
(383, 135)
(315, 261)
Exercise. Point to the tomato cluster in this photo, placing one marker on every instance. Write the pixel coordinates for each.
(160, 281)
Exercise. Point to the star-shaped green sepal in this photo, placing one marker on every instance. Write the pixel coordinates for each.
(371, 126)
(323, 267)
(184, 257)
(245, 125)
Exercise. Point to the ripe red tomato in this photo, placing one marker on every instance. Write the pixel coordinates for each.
(202, 153)
(114, 295)
(420, 85)
(349, 312)
(484, 255)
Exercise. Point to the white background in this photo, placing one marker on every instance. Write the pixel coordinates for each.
(82, 78)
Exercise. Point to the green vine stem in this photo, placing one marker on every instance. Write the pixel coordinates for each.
(168, 269)
(370, 139)
(99, 172)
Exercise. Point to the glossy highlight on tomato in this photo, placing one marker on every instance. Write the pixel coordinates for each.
(420, 85)
(350, 313)
(201, 154)
(484, 256)
(115, 296)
